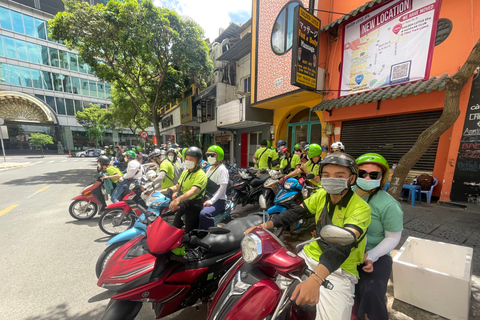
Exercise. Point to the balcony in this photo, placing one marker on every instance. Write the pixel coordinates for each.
(238, 114)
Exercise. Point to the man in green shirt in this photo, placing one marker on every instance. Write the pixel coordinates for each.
(260, 159)
(289, 163)
(165, 171)
(336, 204)
(313, 165)
(187, 194)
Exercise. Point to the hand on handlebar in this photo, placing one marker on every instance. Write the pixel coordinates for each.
(251, 229)
(306, 292)
(174, 205)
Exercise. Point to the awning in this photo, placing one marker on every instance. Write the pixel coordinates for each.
(207, 92)
(239, 49)
(393, 92)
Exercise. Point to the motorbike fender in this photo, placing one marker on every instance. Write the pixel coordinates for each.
(276, 209)
(285, 195)
(120, 205)
(128, 234)
(88, 197)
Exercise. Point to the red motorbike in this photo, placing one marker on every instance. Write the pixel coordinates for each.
(249, 291)
(90, 202)
(146, 270)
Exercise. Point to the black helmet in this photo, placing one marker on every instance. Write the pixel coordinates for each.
(104, 160)
(303, 143)
(341, 159)
(281, 143)
(194, 152)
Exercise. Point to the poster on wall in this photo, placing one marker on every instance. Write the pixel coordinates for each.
(388, 46)
(466, 179)
(186, 110)
(306, 37)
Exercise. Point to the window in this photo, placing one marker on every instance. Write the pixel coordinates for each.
(58, 82)
(4, 78)
(22, 50)
(10, 51)
(54, 59)
(108, 94)
(36, 79)
(60, 105)
(246, 85)
(282, 32)
(72, 57)
(75, 85)
(101, 89)
(14, 75)
(51, 102)
(47, 81)
(40, 29)
(84, 87)
(29, 23)
(63, 56)
(2, 51)
(33, 53)
(67, 85)
(70, 107)
(93, 88)
(40, 97)
(82, 66)
(26, 77)
(5, 19)
(17, 22)
(44, 55)
(78, 106)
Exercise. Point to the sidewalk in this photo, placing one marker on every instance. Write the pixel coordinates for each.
(444, 224)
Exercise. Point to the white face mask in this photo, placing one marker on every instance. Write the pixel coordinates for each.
(170, 158)
(211, 160)
(99, 166)
(368, 185)
(189, 164)
(335, 185)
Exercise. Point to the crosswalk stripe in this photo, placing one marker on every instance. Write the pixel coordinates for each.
(51, 161)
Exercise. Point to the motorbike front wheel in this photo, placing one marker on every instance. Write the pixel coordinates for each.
(82, 210)
(113, 221)
(122, 310)
(106, 255)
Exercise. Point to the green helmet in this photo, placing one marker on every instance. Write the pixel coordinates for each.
(183, 153)
(377, 159)
(130, 154)
(297, 146)
(218, 150)
(268, 144)
(314, 150)
(139, 149)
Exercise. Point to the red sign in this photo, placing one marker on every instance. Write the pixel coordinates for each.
(154, 140)
(144, 135)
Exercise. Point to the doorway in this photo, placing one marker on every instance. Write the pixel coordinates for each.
(304, 126)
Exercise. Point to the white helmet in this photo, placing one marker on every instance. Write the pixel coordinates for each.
(338, 145)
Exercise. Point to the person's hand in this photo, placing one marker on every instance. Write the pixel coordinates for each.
(174, 205)
(302, 166)
(103, 177)
(250, 229)
(307, 292)
(174, 196)
(207, 204)
(368, 264)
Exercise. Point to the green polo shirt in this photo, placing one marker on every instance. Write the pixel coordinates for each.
(111, 170)
(190, 179)
(262, 162)
(355, 212)
(313, 168)
(167, 167)
(293, 163)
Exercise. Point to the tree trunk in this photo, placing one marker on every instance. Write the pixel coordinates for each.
(157, 128)
(450, 113)
(41, 149)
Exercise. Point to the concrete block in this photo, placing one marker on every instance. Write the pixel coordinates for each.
(434, 276)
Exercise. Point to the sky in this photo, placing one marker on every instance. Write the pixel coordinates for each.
(211, 15)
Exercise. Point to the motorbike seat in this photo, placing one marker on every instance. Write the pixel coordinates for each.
(223, 243)
(259, 180)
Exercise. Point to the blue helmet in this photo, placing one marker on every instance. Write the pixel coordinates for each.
(281, 143)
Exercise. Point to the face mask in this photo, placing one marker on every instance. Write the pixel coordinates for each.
(99, 166)
(394, 167)
(368, 185)
(283, 157)
(211, 160)
(334, 185)
(189, 164)
(170, 158)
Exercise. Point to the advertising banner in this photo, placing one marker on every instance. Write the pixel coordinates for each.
(390, 45)
(186, 110)
(306, 36)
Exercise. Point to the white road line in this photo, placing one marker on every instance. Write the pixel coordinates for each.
(51, 161)
(38, 162)
(64, 161)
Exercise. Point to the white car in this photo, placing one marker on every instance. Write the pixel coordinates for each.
(89, 153)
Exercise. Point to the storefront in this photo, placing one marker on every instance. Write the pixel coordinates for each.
(304, 126)
(171, 125)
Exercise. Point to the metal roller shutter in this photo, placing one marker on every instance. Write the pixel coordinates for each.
(391, 137)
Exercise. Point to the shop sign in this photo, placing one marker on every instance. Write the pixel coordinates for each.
(221, 139)
(306, 37)
(186, 110)
(390, 45)
(167, 121)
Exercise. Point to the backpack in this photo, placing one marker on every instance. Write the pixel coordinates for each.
(425, 181)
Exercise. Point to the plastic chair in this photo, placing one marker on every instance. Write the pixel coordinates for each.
(428, 193)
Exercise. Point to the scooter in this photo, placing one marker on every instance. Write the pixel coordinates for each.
(145, 269)
(271, 186)
(241, 185)
(248, 290)
(90, 202)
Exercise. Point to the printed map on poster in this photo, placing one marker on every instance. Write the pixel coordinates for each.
(388, 46)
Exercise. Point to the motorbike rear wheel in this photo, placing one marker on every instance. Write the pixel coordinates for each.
(113, 221)
(82, 210)
(106, 255)
(122, 310)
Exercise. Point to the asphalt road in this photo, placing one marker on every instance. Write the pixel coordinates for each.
(48, 258)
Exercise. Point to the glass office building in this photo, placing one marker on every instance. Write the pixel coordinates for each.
(45, 73)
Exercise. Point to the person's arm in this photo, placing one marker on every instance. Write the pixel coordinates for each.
(131, 172)
(160, 177)
(385, 246)
(285, 218)
(222, 190)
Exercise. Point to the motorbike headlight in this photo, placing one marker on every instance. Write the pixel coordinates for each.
(288, 199)
(288, 185)
(251, 248)
(151, 199)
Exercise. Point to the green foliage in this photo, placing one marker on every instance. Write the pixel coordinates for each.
(90, 119)
(150, 54)
(40, 139)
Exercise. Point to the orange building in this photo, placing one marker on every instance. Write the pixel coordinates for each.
(386, 117)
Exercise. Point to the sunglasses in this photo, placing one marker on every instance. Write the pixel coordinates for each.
(210, 154)
(374, 175)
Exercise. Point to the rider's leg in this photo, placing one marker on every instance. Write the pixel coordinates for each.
(207, 215)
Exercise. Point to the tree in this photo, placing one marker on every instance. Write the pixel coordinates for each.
(90, 119)
(40, 139)
(449, 115)
(150, 53)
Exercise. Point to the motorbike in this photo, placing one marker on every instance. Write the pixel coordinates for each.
(249, 291)
(250, 187)
(146, 270)
(89, 202)
(271, 186)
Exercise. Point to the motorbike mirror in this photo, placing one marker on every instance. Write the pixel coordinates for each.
(262, 202)
(310, 176)
(217, 230)
(337, 235)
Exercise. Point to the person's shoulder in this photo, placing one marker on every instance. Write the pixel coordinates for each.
(385, 200)
(358, 203)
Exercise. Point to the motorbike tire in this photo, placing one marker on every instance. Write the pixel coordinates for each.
(91, 210)
(110, 226)
(122, 310)
(106, 255)
(276, 231)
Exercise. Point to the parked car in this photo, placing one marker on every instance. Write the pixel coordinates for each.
(89, 153)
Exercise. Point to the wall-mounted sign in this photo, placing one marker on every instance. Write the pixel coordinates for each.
(186, 110)
(167, 121)
(390, 45)
(171, 120)
(306, 37)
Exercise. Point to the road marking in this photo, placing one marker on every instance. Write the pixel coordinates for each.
(8, 209)
(74, 171)
(39, 162)
(51, 161)
(38, 191)
(64, 161)
(81, 167)
(62, 178)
